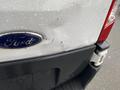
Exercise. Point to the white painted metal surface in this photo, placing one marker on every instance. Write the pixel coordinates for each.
(65, 24)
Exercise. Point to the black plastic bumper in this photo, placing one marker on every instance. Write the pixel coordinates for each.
(45, 73)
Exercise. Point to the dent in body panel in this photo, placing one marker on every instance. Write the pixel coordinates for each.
(66, 26)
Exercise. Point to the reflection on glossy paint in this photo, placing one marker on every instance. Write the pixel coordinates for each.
(40, 5)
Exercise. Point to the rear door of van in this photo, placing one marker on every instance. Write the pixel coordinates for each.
(68, 30)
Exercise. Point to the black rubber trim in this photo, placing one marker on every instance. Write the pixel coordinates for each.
(102, 46)
(80, 81)
(43, 73)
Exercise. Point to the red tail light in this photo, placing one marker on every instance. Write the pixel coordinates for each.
(109, 22)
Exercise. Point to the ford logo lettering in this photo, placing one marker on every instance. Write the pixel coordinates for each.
(14, 40)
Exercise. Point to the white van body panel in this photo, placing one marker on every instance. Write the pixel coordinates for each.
(65, 24)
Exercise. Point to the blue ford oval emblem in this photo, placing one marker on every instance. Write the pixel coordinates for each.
(15, 40)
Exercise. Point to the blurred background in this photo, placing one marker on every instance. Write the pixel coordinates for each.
(108, 78)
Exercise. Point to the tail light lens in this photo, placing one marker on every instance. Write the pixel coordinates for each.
(109, 22)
